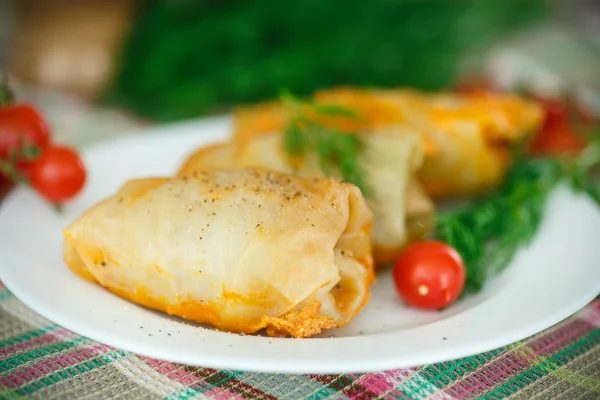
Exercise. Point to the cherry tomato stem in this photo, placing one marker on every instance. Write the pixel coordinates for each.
(24, 136)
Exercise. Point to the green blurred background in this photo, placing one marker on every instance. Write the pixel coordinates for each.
(166, 60)
(190, 57)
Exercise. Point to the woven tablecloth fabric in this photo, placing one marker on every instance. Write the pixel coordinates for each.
(41, 360)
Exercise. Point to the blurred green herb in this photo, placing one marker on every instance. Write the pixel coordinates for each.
(188, 58)
(335, 148)
(489, 233)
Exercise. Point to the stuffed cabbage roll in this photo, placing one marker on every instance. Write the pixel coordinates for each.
(241, 250)
(466, 137)
(390, 157)
(469, 136)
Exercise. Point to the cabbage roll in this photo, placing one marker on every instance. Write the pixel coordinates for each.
(390, 157)
(469, 136)
(466, 137)
(241, 250)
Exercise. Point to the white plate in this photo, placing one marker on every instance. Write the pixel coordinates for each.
(557, 275)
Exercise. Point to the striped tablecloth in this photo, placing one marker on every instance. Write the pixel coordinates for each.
(39, 359)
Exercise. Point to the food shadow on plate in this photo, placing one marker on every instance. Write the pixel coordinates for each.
(385, 313)
(175, 320)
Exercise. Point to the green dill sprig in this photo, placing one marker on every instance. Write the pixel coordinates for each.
(334, 148)
(489, 233)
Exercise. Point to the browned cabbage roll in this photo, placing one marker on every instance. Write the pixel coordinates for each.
(466, 137)
(469, 136)
(241, 250)
(390, 156)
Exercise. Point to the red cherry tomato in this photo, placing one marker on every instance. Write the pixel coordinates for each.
(21, 124)
(557, 135)
(59, 174)
(560, 140)
(429, 275)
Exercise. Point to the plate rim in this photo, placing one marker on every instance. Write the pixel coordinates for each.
(251, 365)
